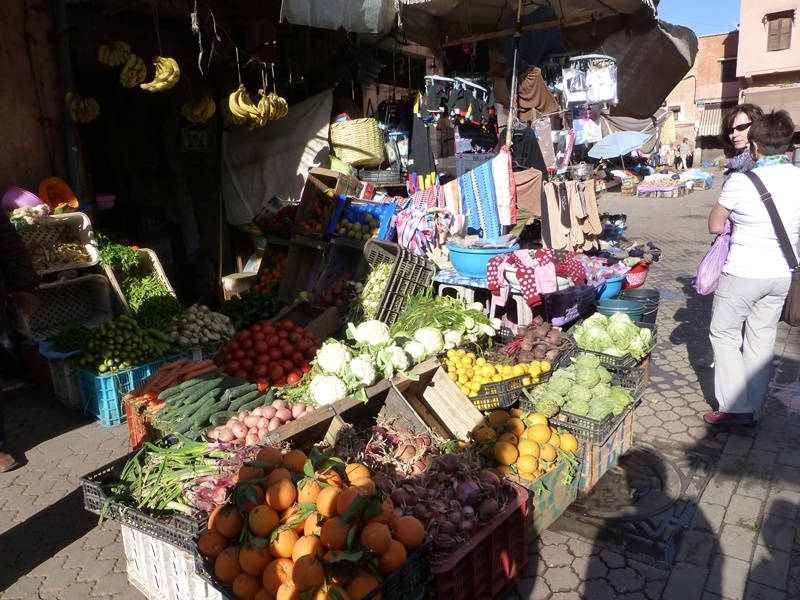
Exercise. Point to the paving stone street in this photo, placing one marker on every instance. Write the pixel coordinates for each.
(732, 529)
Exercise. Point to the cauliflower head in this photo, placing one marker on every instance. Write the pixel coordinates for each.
(327, 389)
(363, 370)
(396, 357)
(431, 338)
(332, 357)
(371, 333)
(416, 350)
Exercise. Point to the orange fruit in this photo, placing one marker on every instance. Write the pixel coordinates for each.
(264, 595)
(211, 542)
(330, 477)
(330, 592)
(262, 520)
(253, 496)
(346, 498)
(537, 419)
(355, 471)
(247, 473)
(226, 565)
(307, 490)
(508, 437)
(283, 544)
(485, 434)
(229, 521)
(339, 578)
(287, 591)
(505, 453)
(281, 494)
(277, 572)
(390, 561)
(547, 453)
(527, 446)
(539, 433)
(276, 474)
(294, 460)
(269, 454)
(311, 525)
(253, 559)
(333, 534)
(516, 412)
(569, 443)
(308, 573)
(409, 531)
(327, 501)
(387, 507)
(527, 463)
(366, 484)
(245, 587)
(498, 416)
(361, 585)
(293, 517)
(515, 426)
(308, 544)
(212, 517)
(376, 537)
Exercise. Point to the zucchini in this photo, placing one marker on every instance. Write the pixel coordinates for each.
(242, 400)
(205, 412)
(254, 403)
(222, 417)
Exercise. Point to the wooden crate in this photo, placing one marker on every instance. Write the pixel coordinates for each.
(628, 190)
(305, 261)
(600, 459)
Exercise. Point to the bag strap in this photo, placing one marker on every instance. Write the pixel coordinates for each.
(370, 112)
(780, 230)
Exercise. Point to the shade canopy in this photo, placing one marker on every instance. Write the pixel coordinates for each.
(619, 144)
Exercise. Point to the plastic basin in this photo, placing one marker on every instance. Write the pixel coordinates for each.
(471, 262)
(14, 197)
(649, 298)
(611, 287)
(635, 310)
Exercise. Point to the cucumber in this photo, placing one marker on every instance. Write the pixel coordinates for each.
(195, 433)
(187, 417)
(241, 390)
(222, 417)
(202, 389)
(199, 379)
(242, 400)
(170, 392)
(233, 383)
(201, 416)
(254, 403)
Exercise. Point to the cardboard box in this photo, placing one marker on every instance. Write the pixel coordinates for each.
(597, 460)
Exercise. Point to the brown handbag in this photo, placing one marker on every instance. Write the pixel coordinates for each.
(791, 307)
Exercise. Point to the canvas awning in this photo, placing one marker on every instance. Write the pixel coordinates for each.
(710, 121)
(787, 99)
(652, 127)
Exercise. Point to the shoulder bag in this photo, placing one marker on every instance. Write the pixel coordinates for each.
(709, 270)
(791, 307)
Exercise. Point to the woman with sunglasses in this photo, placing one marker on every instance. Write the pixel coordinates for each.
(735, 123)
(756, 276)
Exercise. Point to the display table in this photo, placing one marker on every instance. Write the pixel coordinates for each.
(467, 287)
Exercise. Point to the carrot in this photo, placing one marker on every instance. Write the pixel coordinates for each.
(155, 406)
(199, 369)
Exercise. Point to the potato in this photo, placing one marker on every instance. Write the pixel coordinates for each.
(298, 409)
(252, 439)
(239, 430)
(225, 435)
(268, 412)
(280, 404)
(274, 423)
(284, 414)
(251, 421)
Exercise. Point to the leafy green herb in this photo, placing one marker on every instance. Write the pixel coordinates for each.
(116, 256)
(72, 337)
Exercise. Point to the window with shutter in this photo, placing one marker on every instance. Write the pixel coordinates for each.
(779, 32)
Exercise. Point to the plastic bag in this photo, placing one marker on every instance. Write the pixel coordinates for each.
(708, 271)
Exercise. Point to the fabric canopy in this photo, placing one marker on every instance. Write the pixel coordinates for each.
(787, 99)
(710, 121)
(652, 127)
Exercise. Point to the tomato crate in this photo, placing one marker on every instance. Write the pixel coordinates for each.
(101, 394)
(317, 199)
(176, 529)
(85, 300)
(549, 495)
(601, 458)
(48, 232)
(616, 362)
(410, 275)
(357, 211)
(503, 394)
(161, 571)
(493, 560)
(406, 583)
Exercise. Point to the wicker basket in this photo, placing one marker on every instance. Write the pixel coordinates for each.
(358, 142)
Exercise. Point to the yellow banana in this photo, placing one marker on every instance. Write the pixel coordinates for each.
(133, 73)
(233, 105)
(167, 75)
(122, 51)
(208, 108)
(245, 104)
(225, 109)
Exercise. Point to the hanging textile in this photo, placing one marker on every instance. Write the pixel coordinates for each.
(421, 164)
(505, 187)
(488, 196)
(586, 124)
(570, 209)
(545, 139)
(528, 185)
(533, 94)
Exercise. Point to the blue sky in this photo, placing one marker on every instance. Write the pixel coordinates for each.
(701, 16)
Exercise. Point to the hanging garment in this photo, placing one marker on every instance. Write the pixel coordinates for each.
(574, 87)
(452, 196)
(555, 196)
(525, 151)
(421, 164)
(532, 94)
(528, 184)
(505, 187)
(545, 140)
(592, 226)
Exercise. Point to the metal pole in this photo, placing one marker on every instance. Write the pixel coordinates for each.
(512, 108)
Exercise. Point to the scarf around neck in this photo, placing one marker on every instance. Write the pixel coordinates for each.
(768, 161)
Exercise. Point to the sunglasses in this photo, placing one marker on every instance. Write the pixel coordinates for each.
(738, 128)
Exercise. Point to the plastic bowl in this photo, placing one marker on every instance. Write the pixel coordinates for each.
(611, 287)
(635, 310)
(471, 262)
(14, 197)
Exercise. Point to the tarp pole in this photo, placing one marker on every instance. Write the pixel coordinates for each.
(512, 109)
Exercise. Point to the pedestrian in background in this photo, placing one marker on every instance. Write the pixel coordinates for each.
(756, 276)
(22, 284)
(684, 152)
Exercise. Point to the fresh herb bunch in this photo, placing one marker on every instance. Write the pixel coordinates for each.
(116, 256)
(157, 312)
(72, 337)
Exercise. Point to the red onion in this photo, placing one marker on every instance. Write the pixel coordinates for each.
(468, 511)
(443, 542)
(450, 462)
(446, 526)
(421, 513)
(487, 509)
(468, 492)
(448, 493)
(489, 478)
(400, 497)
(404, 453)
(455, 516)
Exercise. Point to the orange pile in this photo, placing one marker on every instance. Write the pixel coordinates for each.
(271, 277)
(286, 535)
(315, 223)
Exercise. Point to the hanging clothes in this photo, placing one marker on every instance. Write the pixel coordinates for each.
(528, 184)
(533, 94)
(571, 215)
(421, 164)
(525, 150)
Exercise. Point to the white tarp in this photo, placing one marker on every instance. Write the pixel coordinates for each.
(273, 160)
(357, 16)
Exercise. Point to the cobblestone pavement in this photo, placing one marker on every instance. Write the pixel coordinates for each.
(743, 541)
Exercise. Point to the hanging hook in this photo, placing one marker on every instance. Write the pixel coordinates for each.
(238, 66)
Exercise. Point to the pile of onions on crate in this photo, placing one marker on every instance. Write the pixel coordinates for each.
(538, 341)
(448, 492)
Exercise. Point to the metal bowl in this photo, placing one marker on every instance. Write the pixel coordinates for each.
(580, 170)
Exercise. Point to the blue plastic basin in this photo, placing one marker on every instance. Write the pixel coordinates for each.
(611, 287)
(471, 262)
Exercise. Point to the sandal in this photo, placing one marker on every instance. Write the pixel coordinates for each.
(7, 462)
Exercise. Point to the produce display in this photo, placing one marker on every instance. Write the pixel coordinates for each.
(248, 308)
(252, 425)
(81, 109)
(538, 341)
(314, 223)
(269, 353)
(55, 254)
(115, 54)
(526, 445)
(583, 388)
(243, 111)
(471, 372)
(159, 311)
(167, 376)
(338, 293)
(121, 344)
(199, 326)
(616, 336)
(364, 229)
(71, 338)
(367, 302)
(166, 76)
(133, 72)
(270, 277)
(199, 111)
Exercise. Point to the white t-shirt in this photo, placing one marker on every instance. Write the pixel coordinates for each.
(755, 252)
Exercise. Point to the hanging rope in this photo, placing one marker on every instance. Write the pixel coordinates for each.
(154, 4)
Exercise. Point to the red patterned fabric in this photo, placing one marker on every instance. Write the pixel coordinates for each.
(498, 285)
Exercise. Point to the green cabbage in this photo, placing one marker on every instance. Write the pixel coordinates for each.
(595, 339)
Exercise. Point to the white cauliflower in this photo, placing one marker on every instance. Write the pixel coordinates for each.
(363, 369)
(452, 338)
(416, 350)
(395, 358)
(332, 357)
(431, 338)
(371, 333)
(327, 389)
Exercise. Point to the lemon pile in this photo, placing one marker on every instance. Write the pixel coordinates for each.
(470, 371)
(523, 443)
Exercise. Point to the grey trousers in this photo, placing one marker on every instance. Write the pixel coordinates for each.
(743, 361)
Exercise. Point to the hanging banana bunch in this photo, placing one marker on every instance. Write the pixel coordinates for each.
(269, 107)
(115, 54)
(199, 111)
(133, 73)
(81, 110)
(225, 109)
(167, 75)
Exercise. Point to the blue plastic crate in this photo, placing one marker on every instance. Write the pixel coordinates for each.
(102, 395)
(356, 211)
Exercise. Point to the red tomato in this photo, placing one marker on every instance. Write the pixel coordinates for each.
(247, 364)
(241, 373)
(297, 358)
(243, 334)
(233, 345)
(308, 335)
(310, 353)
(292, 378)
(247, 344)
(261, 347)
(306, 368)
(287, 349)
(260, 370)
(262, 359)
(283, 334)
(239, 354)
(303, 345)
(275, 353)
(272, 340)
(258, 337)
(280, 382)
(295, 337)
(298, 329)
(288, 366)
(263, 386)
(232, 366)
(255, 327)
(274, 371)
(286, 325)
(268, 328)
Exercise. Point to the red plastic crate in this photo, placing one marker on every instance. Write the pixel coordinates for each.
(138, 426)
(492, 562)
